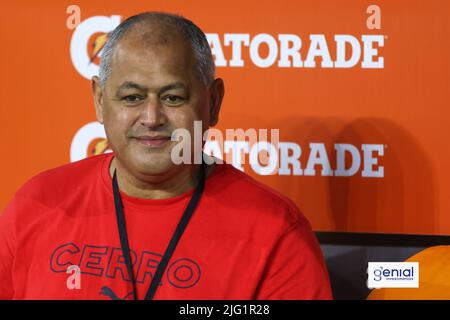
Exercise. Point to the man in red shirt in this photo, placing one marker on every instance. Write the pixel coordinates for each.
(132, 224)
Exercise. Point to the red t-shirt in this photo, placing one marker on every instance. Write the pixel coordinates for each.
(244, 241)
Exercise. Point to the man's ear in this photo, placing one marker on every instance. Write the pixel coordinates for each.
(216, 93)
(98, 98)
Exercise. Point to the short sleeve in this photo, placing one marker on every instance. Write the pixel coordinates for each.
(7, 250)
(295, 269)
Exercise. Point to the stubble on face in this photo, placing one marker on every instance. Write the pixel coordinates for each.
(152, 58)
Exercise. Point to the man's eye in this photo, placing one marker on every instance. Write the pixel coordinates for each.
(132, 98)
(173, 100)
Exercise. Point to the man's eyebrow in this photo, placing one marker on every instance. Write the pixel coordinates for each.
(175, 85)
(131, 85)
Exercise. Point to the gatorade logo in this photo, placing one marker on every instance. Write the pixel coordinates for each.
(87, 43)
(262, 50)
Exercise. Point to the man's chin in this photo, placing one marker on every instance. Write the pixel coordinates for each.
(154, 164)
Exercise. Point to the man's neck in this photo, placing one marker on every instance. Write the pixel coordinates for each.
(158, 186)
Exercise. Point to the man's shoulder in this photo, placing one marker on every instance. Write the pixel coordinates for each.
(63, 177)
(240, 190)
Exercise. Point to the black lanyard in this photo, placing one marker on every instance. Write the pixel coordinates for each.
(173, 242)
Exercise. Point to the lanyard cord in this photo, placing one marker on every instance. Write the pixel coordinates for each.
(173, 242)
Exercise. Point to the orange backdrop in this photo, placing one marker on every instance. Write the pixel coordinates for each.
(401, 106)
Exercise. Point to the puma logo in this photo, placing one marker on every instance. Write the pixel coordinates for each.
(106, 291)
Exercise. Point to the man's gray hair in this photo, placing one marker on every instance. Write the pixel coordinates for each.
(191, 32)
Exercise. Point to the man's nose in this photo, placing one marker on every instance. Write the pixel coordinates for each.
(152, 115)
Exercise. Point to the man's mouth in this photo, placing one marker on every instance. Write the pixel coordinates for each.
(153, 141)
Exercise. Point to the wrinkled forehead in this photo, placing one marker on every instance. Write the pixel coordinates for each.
(153, 54)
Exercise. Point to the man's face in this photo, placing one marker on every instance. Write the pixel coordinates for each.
(152, 90)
